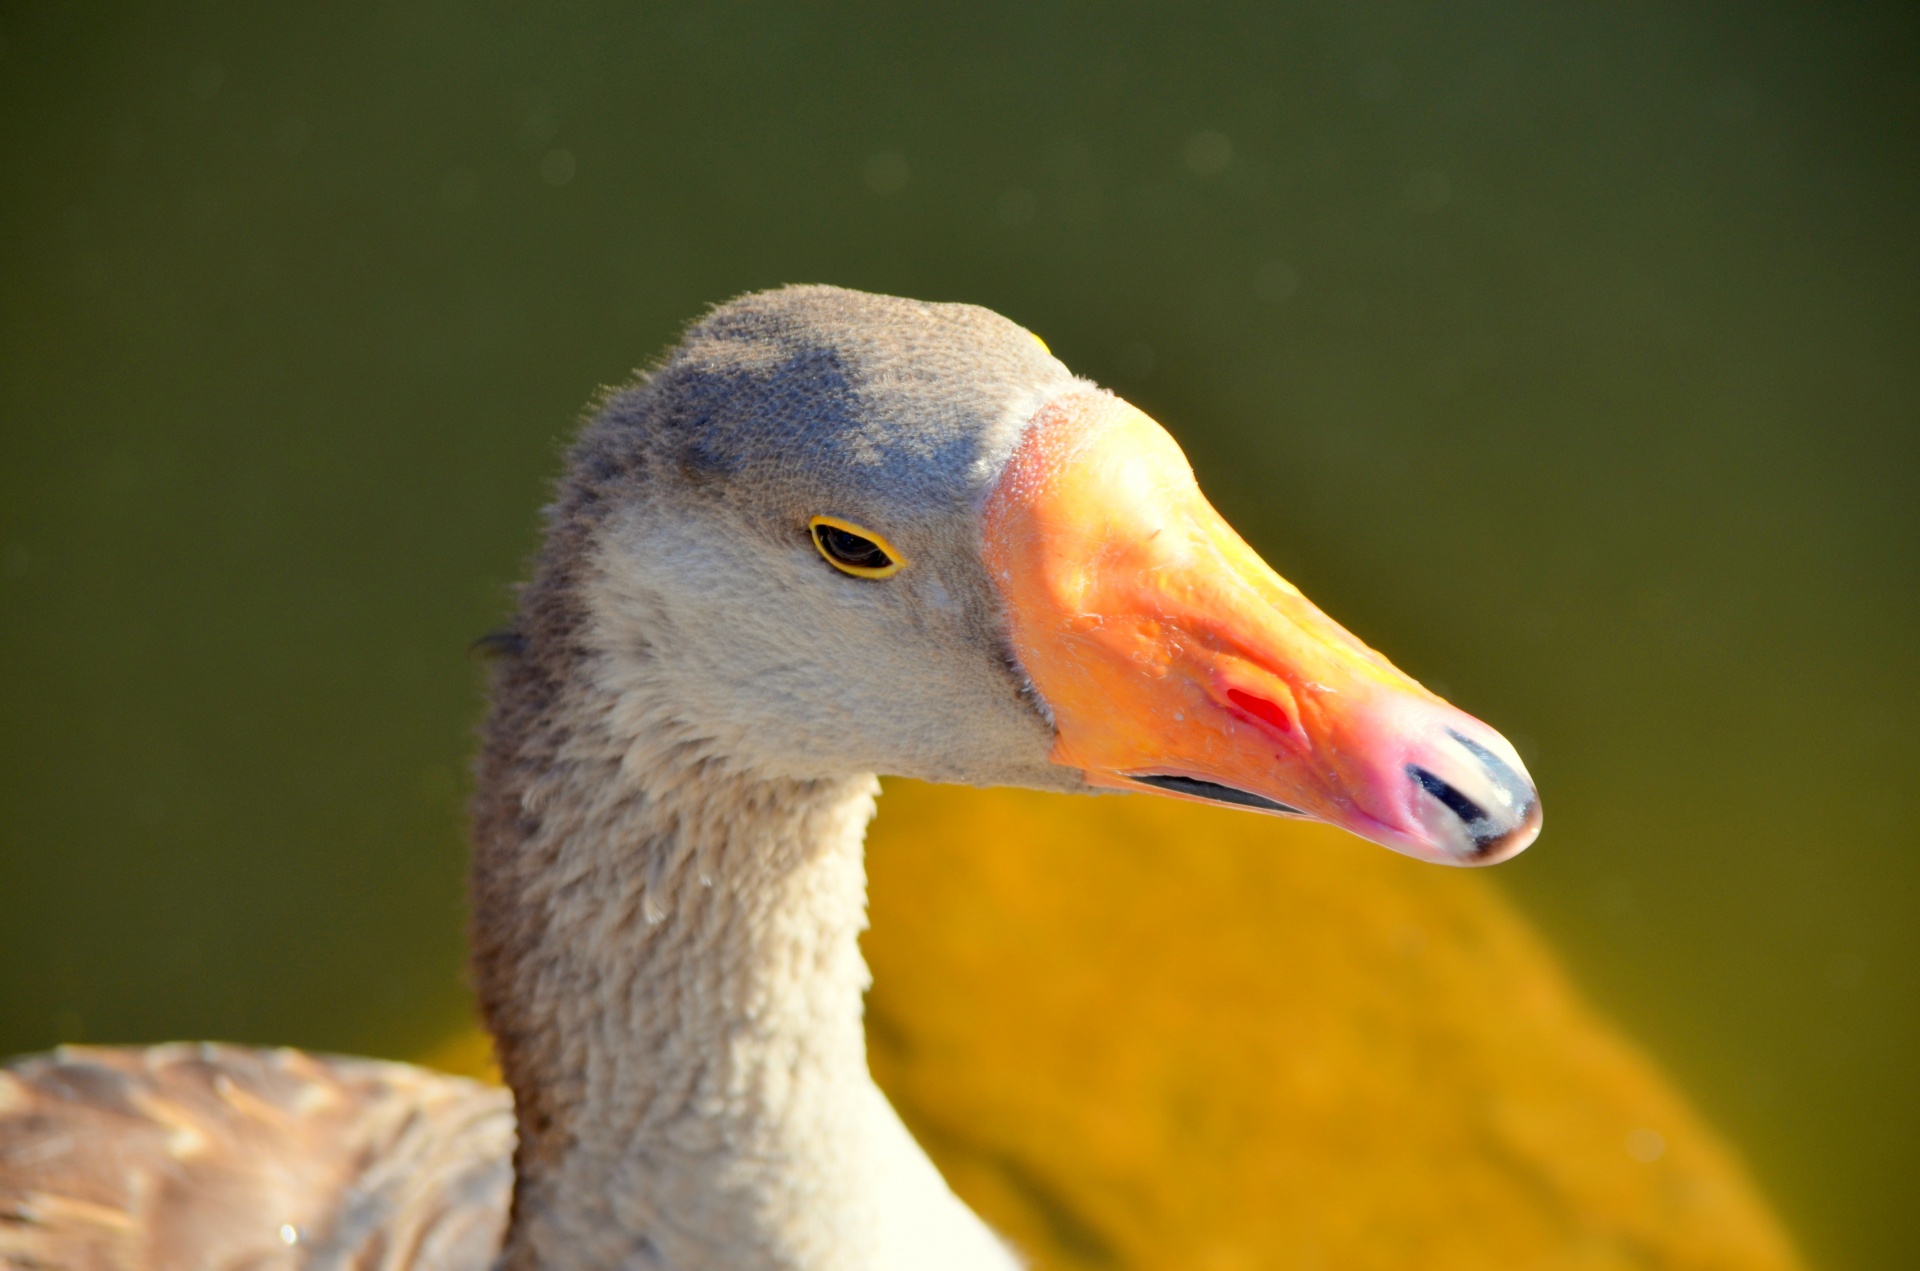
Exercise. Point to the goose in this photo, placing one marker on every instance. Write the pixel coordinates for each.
(829, 535)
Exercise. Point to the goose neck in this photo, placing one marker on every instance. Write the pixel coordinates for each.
(674, 987)
(668, 958)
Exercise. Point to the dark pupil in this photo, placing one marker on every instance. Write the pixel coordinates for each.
(851, 549)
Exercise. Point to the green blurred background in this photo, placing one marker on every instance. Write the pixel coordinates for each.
(1569, 353)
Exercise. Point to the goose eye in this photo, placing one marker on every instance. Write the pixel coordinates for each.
(854, 550)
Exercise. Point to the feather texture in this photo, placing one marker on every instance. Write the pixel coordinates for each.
(223, 1158)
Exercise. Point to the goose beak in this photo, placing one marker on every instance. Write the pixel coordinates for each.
(1175, 660)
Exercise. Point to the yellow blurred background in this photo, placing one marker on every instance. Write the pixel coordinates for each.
(1139, 1033)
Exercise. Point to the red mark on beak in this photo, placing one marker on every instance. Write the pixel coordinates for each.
(1260, 708)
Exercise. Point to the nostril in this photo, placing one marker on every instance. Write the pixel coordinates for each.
(1260, 708)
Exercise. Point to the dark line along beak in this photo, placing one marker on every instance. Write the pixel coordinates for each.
(1214, 792)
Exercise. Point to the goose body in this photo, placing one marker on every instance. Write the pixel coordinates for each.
(831, 535)
(209, 1156)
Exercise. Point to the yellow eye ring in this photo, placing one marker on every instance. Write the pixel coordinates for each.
(854, 549)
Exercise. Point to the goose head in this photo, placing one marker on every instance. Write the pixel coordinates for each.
(838, 533)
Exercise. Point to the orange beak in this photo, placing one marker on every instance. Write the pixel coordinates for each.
(1173, 659)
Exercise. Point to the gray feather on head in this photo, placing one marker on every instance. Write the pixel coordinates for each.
(903, 404)
(681, 538)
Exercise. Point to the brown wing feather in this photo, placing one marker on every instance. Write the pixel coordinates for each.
(221, 1158)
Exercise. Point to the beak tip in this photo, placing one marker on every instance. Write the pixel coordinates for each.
(1505, 846)
(1474, 802)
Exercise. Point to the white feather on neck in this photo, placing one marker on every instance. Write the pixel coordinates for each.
(687, 1001)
